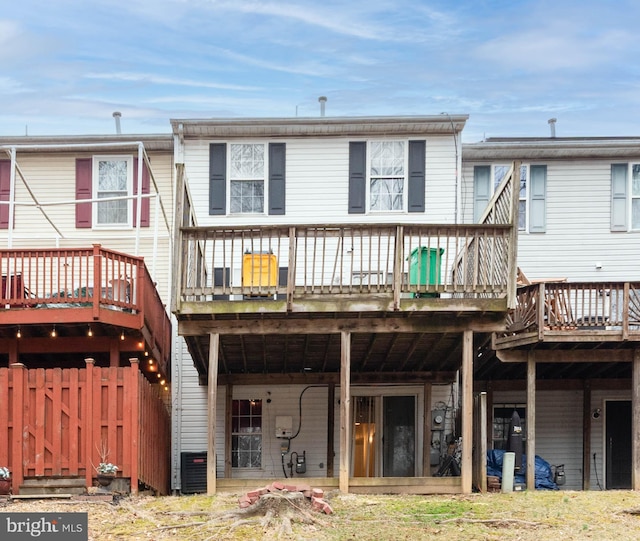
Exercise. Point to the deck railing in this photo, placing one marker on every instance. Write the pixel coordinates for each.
(83, 278)
(288, 262)
(581, 306)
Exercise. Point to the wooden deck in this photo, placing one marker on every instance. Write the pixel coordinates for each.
(580, 312)
(82, 288)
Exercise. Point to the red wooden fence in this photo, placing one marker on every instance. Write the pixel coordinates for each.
(63, 422)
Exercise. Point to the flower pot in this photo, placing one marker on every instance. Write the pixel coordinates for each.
(5, 486)
(104, 479)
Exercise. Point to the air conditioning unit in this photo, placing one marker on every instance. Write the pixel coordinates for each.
(193, 472)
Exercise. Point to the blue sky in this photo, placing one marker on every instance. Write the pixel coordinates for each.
(66, 65)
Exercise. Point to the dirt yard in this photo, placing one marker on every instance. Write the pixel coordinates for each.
(523, 516)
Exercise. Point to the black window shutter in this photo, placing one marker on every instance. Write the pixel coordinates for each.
(357, 177)
(217, 178)
(417, 156)
(277, 180)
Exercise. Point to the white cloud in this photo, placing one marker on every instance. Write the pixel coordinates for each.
(531, 51)
(155, 79)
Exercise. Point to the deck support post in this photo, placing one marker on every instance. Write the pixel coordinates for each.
(426, 429)
(531, 422)
(331, 419)
(586, 436)
(467, 412)
(635, 421)
(480, 442)
(228, 425)
(214, 346)
(345, 409)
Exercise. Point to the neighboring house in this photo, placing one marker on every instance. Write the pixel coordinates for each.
(570, 350)
(332, 298)
(85, 336)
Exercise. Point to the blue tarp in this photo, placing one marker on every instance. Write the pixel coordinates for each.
(543, 474)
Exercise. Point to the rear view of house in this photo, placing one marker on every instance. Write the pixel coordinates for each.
(332, 299)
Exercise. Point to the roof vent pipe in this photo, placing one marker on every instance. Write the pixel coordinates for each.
(323, 101)
(117, 115)
(552, 125)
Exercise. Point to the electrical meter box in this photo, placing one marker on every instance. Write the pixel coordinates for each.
(437, 420)
(284, 426)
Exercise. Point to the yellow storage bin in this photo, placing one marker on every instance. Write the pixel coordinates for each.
(259, 270)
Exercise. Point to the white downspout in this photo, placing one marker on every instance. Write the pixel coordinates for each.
(139, 197)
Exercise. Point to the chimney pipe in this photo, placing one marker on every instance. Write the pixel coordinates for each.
(323, 101)
(117, 115)
(552, 125)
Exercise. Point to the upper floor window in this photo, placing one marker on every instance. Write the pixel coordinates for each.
(113, 176)
(531, 196)
(387, 175)
(625, 196)
(247, 178)
(635, 196)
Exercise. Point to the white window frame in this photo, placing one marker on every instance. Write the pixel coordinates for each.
(95, 176)
(265, 178)
(632, 197)
(405, 183)
(522, 198)
(244, 434)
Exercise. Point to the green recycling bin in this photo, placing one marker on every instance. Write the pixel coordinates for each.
(424, 268)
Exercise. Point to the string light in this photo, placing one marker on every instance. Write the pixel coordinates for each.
(19, 333)
(162, 382)
(53, 332)
(90, 332)
(122, 335)
(150, 362)
(159, 375)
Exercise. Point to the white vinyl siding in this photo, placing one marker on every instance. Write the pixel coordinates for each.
(317, 184)
(284, 400)
(51, 177)
(558, 429)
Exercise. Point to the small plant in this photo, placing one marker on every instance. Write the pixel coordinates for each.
(4, 473)
(107, 468)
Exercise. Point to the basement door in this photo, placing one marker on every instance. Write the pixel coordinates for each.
(384, 436)
(618, 444)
